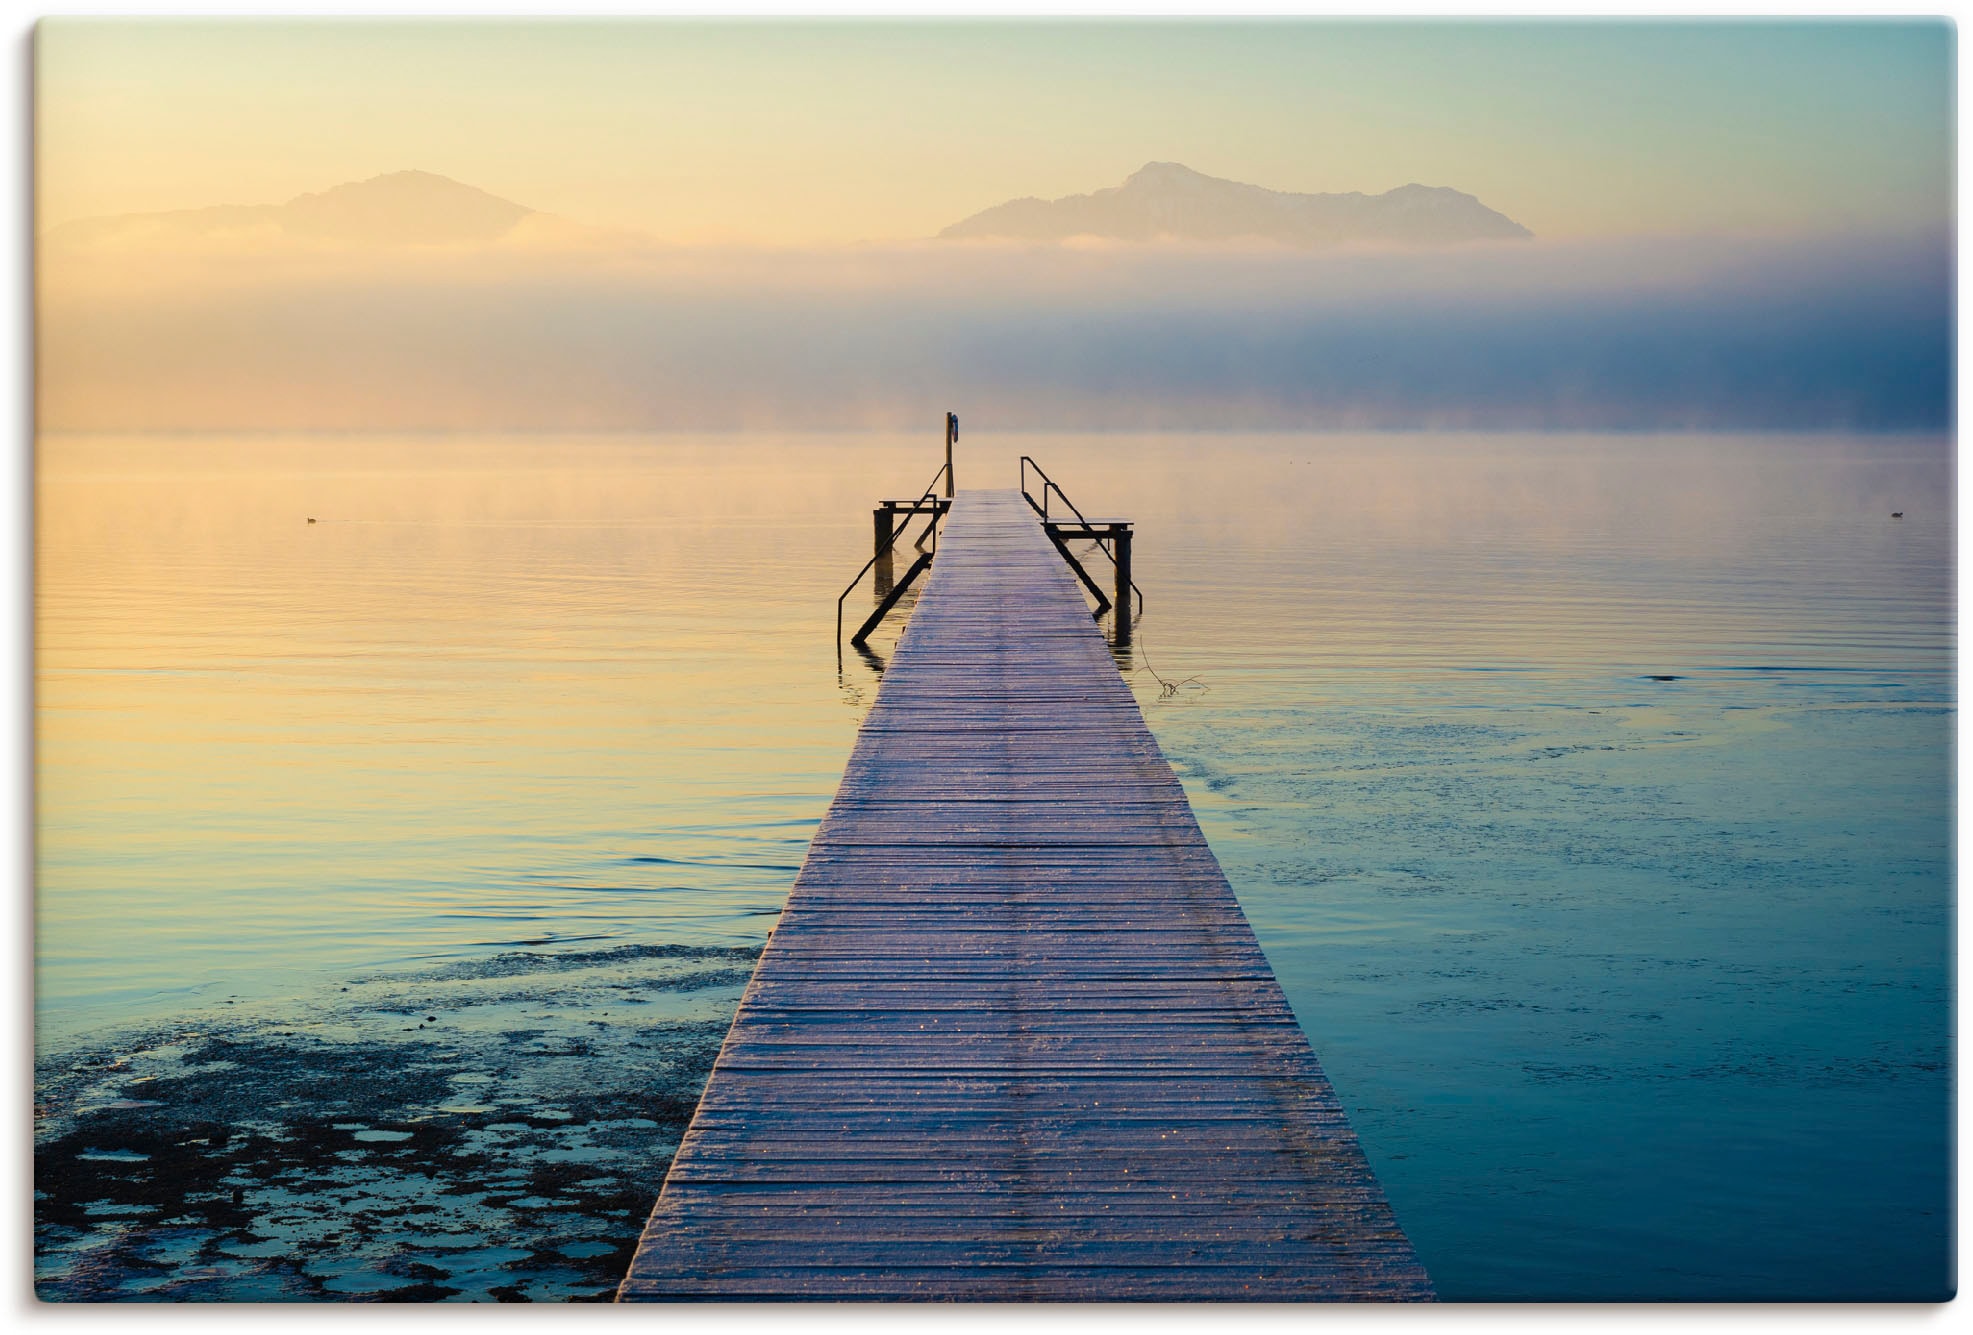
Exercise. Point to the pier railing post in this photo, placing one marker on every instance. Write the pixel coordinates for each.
(951, 435)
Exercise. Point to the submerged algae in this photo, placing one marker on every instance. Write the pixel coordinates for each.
(495, 1130)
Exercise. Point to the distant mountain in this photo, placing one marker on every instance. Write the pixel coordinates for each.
(409, 208)
(1166, 200)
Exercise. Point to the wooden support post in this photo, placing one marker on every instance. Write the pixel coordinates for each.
(1122, 627)
(881, 574)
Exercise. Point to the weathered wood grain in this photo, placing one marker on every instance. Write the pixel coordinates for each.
(1013, 1038)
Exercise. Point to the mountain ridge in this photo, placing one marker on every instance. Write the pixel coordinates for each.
(404, 208)
(1168, 200)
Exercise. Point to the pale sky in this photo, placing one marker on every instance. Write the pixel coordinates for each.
(801, 133)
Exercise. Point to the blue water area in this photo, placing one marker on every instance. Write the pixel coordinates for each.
(1590, 795)
(1634, 1004)
(1607, 861)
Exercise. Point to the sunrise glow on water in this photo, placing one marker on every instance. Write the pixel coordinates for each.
(1582, 790)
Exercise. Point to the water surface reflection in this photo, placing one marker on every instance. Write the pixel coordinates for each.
(1589, 794)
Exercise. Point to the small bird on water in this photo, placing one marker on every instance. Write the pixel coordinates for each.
(1895, 514)
(311, 519)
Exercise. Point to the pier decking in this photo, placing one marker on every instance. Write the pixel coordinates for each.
(1013, 1037)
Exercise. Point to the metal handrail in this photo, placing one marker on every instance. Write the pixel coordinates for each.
(1041, 508)
(932, 527)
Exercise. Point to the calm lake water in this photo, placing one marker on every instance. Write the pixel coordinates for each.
(1591, 796)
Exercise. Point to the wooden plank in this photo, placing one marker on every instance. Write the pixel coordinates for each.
(1012, 1038)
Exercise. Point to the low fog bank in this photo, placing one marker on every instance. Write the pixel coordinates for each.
(1737, 334)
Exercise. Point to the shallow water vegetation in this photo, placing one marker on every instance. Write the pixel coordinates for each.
(324, 1153)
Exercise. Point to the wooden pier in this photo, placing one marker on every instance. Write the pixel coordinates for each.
(1013, 1038)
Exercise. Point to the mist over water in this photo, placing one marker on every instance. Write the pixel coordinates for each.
(1589, 794)
(1682, 333)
